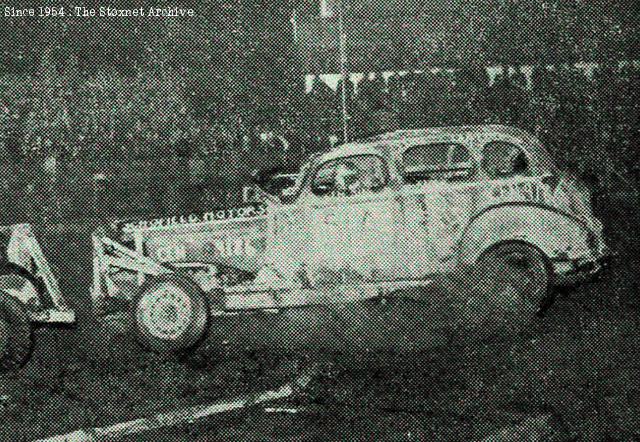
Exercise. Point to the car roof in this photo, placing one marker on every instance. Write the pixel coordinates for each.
(448, 131)
(394, 143)
(352, 149)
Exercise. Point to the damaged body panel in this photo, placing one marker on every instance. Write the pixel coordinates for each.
(371, 217)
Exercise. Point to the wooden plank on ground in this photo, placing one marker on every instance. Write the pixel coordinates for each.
(188, 415)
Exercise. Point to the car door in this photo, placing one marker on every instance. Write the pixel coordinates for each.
(351, 213)
(437, 198)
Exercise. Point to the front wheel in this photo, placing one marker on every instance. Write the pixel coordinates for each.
(170, 314)
(520, 267)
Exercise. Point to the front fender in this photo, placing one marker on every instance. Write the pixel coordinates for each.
(559, 235)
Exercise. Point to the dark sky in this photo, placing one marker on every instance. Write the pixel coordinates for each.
(253, 35)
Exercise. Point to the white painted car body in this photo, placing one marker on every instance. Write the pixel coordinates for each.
(422, 203)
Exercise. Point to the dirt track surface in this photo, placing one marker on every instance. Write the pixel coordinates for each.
(579, 364)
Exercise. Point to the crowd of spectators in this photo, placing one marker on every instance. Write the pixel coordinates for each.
(588, 119)
(113, 117)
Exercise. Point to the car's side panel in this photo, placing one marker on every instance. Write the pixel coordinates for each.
(432, 220)
(353, 238)
(238, 243)
(288, 241)
(435, 215)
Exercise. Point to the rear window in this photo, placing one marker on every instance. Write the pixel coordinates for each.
(437, 161)
(501, 159)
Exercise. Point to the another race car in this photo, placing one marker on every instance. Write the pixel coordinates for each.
(365, 220)
(29, 294)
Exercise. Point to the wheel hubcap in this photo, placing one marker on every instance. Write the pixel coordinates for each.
(165, 311)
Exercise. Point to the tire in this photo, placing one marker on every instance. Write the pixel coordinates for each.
(520, 266)
(170, 314)
(16, 341)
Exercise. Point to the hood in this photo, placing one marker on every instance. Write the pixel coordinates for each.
(234, 242)
(122, 229)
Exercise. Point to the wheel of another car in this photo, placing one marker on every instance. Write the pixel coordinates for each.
(521, 267)
(15, 333)
(170, 314)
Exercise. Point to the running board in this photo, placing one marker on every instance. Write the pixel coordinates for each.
(259, 297)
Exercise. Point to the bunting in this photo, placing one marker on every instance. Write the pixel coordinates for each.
(333, 80)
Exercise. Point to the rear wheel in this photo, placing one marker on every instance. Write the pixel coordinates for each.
(15, 333)
(170, 314)
(520, 267)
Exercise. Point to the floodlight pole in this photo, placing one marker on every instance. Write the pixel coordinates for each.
(344, 73)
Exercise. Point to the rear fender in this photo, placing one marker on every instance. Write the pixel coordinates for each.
(559, 235)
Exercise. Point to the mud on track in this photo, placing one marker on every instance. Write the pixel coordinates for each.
(579, 363)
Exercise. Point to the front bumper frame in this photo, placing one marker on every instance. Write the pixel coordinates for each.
(53, 316)
(571, 272)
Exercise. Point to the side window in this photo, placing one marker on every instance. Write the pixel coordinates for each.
(350, 176)
(501, 159)
(437, 161)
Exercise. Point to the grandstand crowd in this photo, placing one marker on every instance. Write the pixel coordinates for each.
(147, 116)
(55, 127)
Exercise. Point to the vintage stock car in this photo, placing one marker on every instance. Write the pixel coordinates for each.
(365, 220)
